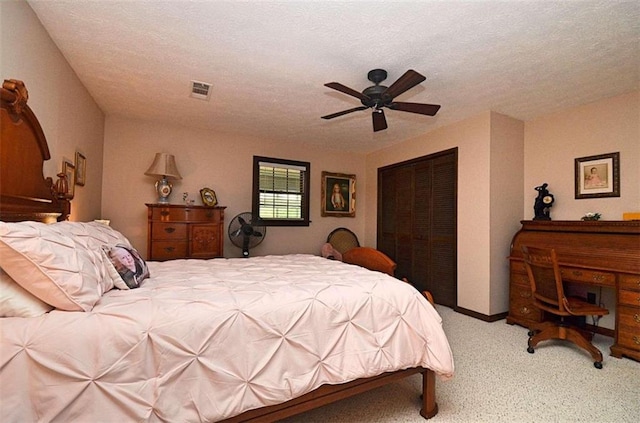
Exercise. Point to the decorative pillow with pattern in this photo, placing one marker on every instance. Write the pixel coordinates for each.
(130, 268)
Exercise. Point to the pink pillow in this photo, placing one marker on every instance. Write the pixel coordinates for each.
(62, 264)
(15, 301)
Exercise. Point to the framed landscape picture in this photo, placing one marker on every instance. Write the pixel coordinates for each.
(70, 171)
(597, 176)
(338, 195)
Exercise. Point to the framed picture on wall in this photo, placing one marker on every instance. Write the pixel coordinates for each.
(70, 171)
(338, 195)
(597, 176)
(81, 169)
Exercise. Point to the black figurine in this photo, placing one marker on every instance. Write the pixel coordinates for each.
(543, 203)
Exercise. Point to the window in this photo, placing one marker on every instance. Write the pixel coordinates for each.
(280, 192)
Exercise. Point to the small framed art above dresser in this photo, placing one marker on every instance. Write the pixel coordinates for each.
(179, 231)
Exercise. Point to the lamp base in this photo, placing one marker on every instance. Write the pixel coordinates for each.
(163, 186)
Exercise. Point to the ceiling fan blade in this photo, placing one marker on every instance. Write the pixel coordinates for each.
(407, 81)
(344, 89)
(420, 108)
(344, 112)
(379, 121)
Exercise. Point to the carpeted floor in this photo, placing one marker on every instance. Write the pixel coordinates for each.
(498, 381)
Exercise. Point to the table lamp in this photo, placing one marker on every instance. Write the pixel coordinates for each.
(164, 165)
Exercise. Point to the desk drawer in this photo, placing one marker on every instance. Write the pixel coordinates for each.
(589, 276)
(629, 327)
(631, 298)
(630, 282)
(177, 231)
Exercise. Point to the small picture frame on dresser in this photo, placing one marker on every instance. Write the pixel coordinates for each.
(208, 197)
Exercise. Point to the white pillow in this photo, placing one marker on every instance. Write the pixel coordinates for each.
(62, 263)
(15, 301)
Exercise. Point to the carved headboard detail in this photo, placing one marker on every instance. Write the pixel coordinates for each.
(25, 194)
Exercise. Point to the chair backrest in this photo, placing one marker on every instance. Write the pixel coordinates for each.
(371, 259)
(545, 279)
(342, 239)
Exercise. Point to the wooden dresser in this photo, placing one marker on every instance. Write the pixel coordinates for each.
(177, 231)
(596, 253)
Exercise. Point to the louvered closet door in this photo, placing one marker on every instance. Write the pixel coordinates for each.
(417, 222)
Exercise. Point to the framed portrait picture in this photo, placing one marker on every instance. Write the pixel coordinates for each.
(81, 169)
(338, 195)
(208, 197)
(598, 176)
(70, 171)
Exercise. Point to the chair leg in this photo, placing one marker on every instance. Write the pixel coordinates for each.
(544, 332)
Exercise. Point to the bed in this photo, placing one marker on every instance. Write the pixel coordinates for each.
(256, 339)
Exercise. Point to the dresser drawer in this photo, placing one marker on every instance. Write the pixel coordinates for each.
(629, 327)
(590, 276)
(630, 282)
(169, 231)
(168, 250)
(186, 214)
(518, 267)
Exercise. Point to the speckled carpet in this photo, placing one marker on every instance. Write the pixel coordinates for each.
(496, 380)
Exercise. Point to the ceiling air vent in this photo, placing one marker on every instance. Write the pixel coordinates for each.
(200, 90)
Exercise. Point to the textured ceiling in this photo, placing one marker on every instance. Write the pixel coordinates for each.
(268, 61)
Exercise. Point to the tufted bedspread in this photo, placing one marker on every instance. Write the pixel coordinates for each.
(204, 340)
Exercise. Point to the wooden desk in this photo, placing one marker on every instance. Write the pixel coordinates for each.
(600, 253)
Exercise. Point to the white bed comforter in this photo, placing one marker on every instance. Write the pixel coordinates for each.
(204, 340)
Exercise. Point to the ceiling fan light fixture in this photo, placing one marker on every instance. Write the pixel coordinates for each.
(379, 96)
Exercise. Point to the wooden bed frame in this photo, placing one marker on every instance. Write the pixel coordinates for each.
(25, 194)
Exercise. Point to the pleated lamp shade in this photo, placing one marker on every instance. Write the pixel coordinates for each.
(164, 165)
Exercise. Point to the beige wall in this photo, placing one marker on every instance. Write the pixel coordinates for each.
(553, 142)
(490, 149)
(223, 163)
(69, 117)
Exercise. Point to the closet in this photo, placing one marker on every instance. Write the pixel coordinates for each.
(417, 215)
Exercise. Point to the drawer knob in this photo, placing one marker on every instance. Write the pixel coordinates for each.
(209, 213)
(164, 213)
(577, 273)
(636, 317)
(636, 340)
(598, 278)
(169, 249)
(525, 294)
(525, 310)
(169, 230)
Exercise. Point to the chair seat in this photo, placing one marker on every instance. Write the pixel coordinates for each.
(579, 307)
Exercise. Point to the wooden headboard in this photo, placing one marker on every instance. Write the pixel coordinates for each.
(25, 194)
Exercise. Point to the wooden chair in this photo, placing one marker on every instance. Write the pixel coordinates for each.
(343, 239)
(548, 295)
(373, 259)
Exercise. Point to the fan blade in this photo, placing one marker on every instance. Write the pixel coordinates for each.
(344, 89)
(379, 121)
(344, 112)
(256, 233)
(407, 81)
(236, 233)
(242, 221)
(420, 108)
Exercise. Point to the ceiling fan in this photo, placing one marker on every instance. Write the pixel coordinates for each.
(378, 96)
